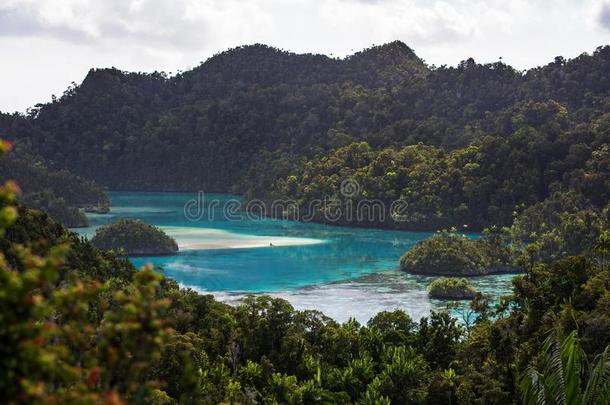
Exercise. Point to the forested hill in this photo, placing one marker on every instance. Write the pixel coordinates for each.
(117, 126)
(259, 107)
(263, 66)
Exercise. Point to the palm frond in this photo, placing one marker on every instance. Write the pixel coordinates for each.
(598, 386)
(560, 380)
(572, 358)
(532, 387)
(553, 372)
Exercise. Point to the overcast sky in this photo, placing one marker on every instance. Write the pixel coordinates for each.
(47, 44)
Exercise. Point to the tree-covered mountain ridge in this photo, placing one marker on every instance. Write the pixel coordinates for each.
(113, 116)
(247, 119)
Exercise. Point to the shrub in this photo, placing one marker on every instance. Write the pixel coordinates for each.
(444, 288)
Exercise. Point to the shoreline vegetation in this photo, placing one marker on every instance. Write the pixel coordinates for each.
(62, 195)
(561, 226)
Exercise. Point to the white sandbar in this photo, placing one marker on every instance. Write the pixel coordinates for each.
(191, 238)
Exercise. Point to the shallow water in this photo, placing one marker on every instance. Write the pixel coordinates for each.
(344, 272)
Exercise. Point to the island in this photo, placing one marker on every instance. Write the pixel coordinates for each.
(135, 237)
(450, 254)
(449, 288)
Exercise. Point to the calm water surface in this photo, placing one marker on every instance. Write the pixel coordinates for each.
(344, 272)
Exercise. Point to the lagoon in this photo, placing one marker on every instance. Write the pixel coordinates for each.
(344, 272)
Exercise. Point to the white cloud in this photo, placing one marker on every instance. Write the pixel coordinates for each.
(187, 24)
(440, 22)
(181, 24)
(603, 18)
(46, 44)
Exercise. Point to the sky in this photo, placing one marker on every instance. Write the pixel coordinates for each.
(45, 45)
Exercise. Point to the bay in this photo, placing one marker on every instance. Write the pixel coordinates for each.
(342, 271)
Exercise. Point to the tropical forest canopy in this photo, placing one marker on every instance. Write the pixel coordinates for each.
(462, 145)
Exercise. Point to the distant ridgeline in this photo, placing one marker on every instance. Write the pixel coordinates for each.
(460, 145)
(59, 193)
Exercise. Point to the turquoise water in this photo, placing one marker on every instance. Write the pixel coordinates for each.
(345, 272)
